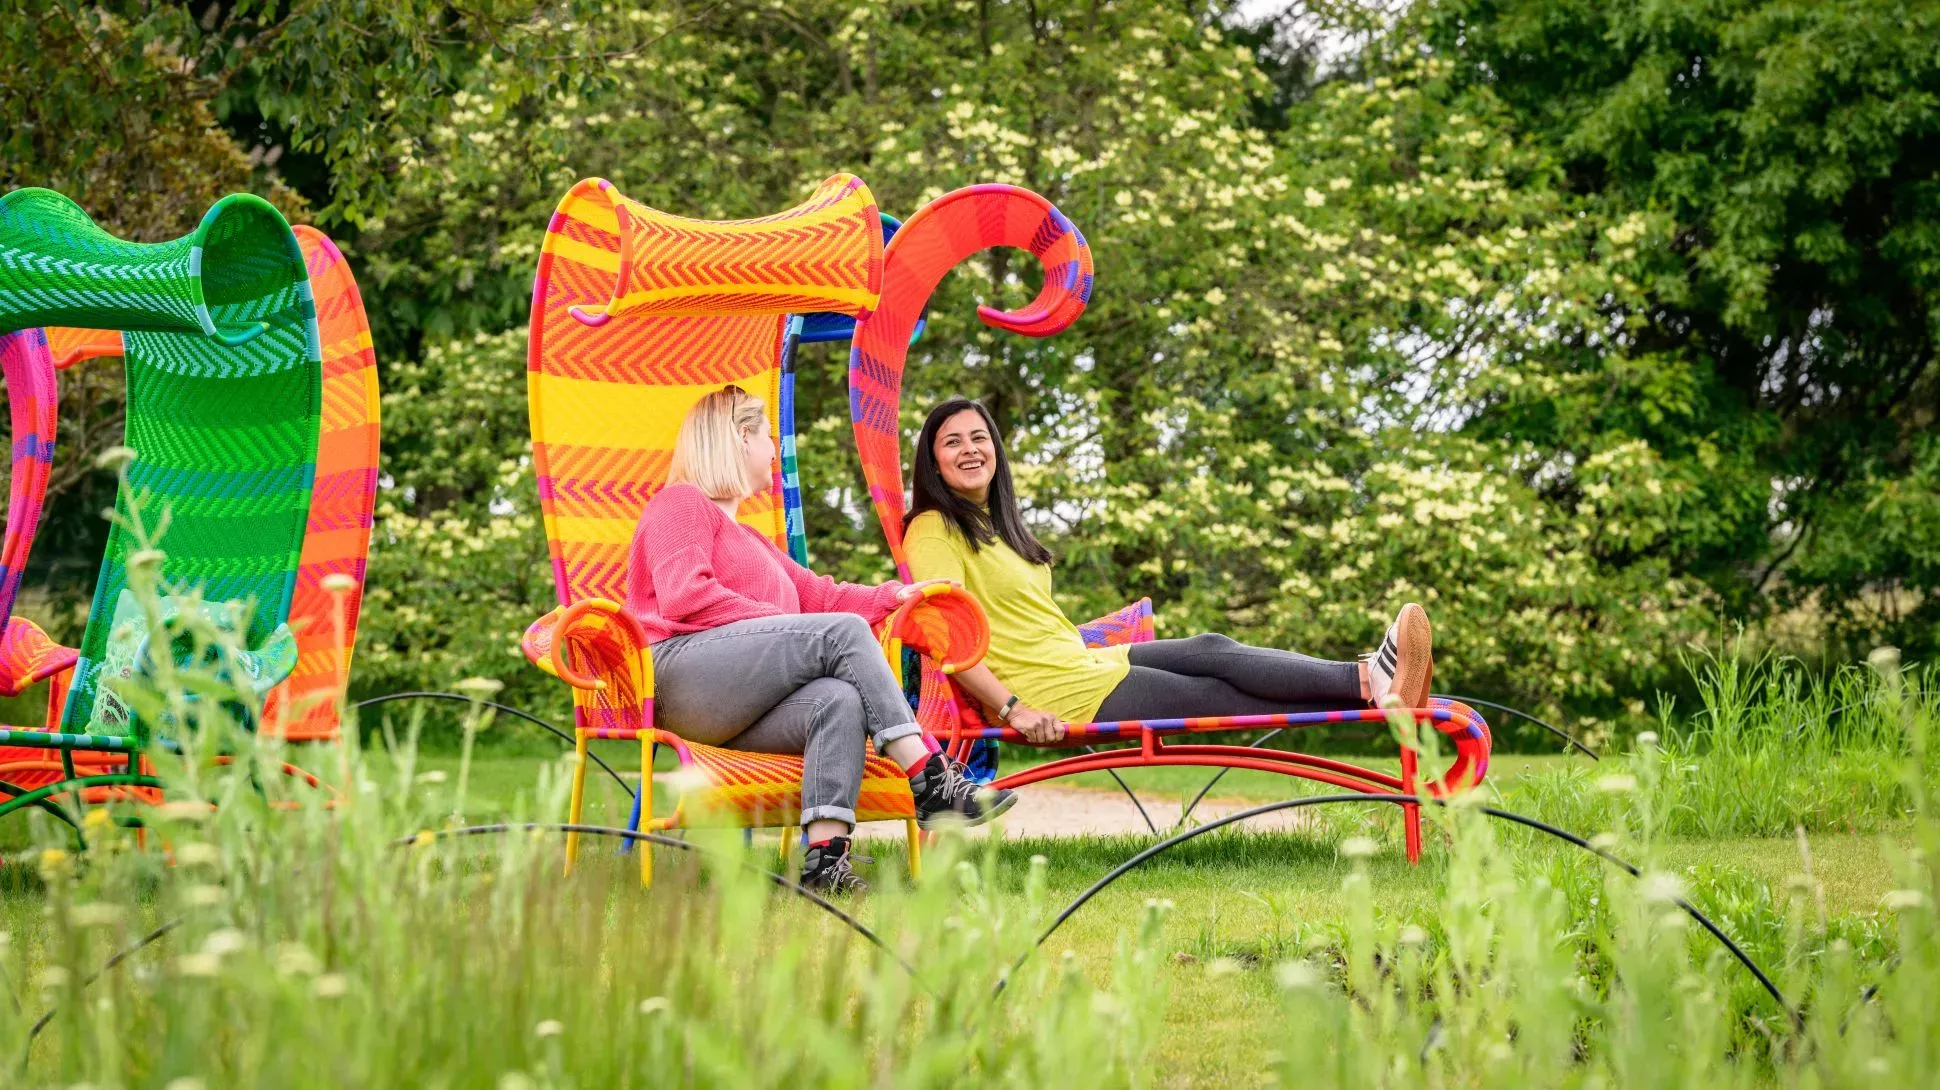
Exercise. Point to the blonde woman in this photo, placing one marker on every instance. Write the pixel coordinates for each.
(752, 651)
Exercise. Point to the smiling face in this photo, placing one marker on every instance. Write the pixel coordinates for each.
(966, 455)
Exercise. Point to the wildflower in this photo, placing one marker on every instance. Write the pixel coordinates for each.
(184, 811)
(549, 1028)
(1412, 936)
(338, 583)
(115, 459)
(1660, 887)
(198, 854)
(295, 959)
(480, 688)
(53, 863)
(186, 1082)
(53, 976)
(1617, 785)
(1604, 841)
(95, 915)
(224, 942)
(329, 986)
(1296, 975)
(1900, 900)
(1106, 1005)
(198, 965)
(658, 1004)
(97, 820)
(1647, 738)
(203, 896)
(1358, 847)
(436, 775)
(146, 558)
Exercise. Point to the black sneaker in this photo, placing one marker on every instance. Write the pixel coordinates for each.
(826, 869)
(945, 793)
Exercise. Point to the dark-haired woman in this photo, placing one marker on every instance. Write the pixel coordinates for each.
(964, 525)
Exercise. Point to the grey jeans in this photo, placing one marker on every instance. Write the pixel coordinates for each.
(809, 683)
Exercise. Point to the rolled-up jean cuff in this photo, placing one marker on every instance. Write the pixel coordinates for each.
(901, 730)
(828, 813)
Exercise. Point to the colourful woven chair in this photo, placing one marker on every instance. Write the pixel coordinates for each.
(635, 315)
(931, 243)
(225, 389)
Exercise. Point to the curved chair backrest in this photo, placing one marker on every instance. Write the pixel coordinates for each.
(935, 240)
(224, 369)
(636, 314)
(337, 535)
(31, 404)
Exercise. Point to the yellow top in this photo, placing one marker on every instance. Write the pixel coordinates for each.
(1035, 650)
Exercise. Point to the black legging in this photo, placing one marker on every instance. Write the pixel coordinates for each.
(1210, 674)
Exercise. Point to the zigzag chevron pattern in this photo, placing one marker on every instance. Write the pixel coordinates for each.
(937, 238)
(223, 357)
(637, 314)
(338, 528)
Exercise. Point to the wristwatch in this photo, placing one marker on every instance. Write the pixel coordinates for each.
(1003, 713)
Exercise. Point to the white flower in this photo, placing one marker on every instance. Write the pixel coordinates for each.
(1900, 900)
(198, 854)
(658, 1004)
(1358, 847)
(203, 896)
(1662, 888)
(1296, 975)
(1412, 936)
(115, 458)
(96, 914)
(200, 965)
(339, 583)
(330, 986)
(1647, 738)
(224, 942)
(549, 1028)
(1617, 785)
(186, 1082)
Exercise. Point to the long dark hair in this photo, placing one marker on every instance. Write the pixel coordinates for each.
(1002, 521)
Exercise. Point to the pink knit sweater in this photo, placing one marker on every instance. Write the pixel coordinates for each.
(693, 568)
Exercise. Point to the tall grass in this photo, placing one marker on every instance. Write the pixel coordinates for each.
(313, 949)
(1771, 748)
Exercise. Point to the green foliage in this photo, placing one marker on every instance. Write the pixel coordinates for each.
(1585, 324)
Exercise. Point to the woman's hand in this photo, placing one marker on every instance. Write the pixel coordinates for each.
(1036, 726)
(914, 589)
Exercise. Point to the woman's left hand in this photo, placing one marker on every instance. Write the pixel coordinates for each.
(914, 589)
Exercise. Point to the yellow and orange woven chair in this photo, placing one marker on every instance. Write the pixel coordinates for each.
(635, 315)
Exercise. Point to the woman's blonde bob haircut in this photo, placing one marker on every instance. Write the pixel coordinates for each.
(707, 452)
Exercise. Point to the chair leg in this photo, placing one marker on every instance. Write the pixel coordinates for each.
(914, 833)
(579, 797)
(1410, 812)
(57, 697)
(643, 808)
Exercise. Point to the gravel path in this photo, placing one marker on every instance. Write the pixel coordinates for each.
(1053, 810)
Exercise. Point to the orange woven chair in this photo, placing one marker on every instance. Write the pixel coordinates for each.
(636, 314)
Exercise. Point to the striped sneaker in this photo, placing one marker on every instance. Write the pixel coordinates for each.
(1404, 664)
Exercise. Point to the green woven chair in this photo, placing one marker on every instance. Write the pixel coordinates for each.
(224, 376)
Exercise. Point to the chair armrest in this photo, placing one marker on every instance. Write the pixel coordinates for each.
(591, 644)
(943, 623)
(1133, 624)
(27, 655)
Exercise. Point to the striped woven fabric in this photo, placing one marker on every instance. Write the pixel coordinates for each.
(337, 534)
(72, 346)
(29, 372)
(224, 393)
(336, 538)
(1133, 624)
(935, 240)
(619, 352)
(635, 315)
